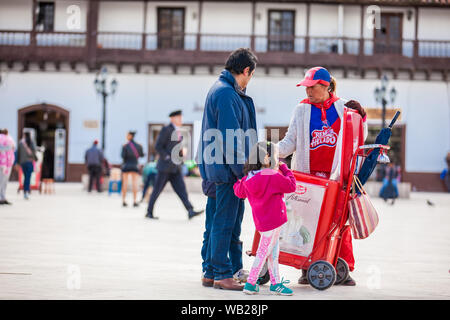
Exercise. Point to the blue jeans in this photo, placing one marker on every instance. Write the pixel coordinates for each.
(206, 248)
(27, 169)
(224, 243)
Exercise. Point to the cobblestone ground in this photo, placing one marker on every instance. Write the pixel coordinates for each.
(74, 245)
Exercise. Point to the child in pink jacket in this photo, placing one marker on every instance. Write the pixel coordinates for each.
(264, 186)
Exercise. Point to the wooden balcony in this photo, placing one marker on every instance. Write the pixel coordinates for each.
(212, 49)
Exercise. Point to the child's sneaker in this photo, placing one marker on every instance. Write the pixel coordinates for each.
(281, 289)
(251, 289)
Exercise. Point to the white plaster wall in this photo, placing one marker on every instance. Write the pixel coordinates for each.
(233, 18)
(121, 16)
(142, 99)
(352, 21)
(16, 14)
(323, 21)
(434, 24)
(61, 15)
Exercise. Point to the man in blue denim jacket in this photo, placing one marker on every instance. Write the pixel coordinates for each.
(228, 133)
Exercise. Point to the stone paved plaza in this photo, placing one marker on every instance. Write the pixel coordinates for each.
(74, 245)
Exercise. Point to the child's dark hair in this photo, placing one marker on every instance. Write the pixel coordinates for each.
(259, 151)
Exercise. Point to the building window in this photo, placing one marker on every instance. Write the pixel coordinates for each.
(45, 16)
(388, 38)
(170, 28)
(281, 30)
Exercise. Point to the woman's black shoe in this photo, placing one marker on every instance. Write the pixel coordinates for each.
(349, 282)
(303, 279)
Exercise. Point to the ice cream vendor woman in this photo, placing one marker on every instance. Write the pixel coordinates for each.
(314, 137)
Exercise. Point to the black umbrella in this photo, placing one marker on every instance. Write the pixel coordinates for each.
(371, 160)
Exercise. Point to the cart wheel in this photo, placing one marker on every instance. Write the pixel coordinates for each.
(321, 275)
(342, 271)
(264, 275)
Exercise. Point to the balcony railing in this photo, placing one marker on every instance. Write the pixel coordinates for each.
(434, 48)
(44, 39)
(297, 44)
(14, 38)
(211, 49)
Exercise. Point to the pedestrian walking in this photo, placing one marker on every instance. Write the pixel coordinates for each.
(131, 152)
(7, 148)
(26, 155)
(47, 169)
(389, 189)
(265, 186)
(228, 109)
(169, 171)
(93, 159)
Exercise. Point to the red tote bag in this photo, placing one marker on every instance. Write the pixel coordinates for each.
(363, 217)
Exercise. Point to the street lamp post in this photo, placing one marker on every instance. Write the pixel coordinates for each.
(101, 88)
(380, 97)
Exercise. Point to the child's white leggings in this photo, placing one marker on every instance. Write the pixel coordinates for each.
(269, 250)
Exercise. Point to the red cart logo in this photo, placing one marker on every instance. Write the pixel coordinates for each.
(325, 137)
(300, 189)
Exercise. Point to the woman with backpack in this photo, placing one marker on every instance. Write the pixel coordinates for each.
(26, 155)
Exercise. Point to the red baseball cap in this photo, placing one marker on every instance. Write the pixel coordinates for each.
(316, 75)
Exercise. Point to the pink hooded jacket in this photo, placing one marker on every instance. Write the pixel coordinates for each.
(265, 190)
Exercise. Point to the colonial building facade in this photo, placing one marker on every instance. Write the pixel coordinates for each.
(165, 55)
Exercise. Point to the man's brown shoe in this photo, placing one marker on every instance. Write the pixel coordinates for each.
(228, 284)
(206, 282)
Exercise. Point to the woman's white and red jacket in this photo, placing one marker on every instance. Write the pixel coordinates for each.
(297, 139)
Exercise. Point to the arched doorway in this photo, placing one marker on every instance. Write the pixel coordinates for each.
(50, 125)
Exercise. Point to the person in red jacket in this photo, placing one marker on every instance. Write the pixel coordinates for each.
(265, 186)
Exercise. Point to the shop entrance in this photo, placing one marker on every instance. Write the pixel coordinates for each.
(49, 127)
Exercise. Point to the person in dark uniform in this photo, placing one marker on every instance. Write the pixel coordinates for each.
(168, 139)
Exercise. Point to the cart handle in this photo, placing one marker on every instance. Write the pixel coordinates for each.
(373, 146)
